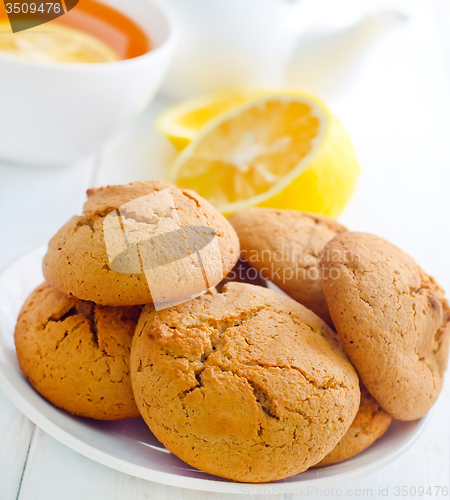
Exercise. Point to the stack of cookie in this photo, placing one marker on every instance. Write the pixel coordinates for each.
(74, 333)
(240, 381)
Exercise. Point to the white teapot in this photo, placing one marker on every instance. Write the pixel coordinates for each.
(249, 43)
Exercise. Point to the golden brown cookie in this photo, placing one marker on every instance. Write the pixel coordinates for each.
(392, 318)
(77, 354)
(285, 246)
(246, 384)
(140, 243)
(370, 423)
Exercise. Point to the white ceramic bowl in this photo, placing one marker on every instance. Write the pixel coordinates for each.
(54, 113)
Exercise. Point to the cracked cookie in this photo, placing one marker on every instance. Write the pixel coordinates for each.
(141, 243)
(370, 423)
(393, 321)
(285, 246)
(246, 384)
(77, 354)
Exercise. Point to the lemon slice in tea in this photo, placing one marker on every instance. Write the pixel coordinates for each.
(54, 42)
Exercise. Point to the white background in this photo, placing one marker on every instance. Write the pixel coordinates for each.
(391, 91)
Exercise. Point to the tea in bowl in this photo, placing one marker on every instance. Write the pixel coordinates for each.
(70, 85)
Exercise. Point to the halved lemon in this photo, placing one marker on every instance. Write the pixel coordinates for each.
(182, 122)
(285, 150)
(54, 42)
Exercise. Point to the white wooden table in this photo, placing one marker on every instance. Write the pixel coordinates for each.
(395, 104)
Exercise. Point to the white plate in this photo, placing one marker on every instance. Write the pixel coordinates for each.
(128, 445)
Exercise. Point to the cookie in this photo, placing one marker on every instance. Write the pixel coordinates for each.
(140, 243)
(370, 423)
(285, 246)
(246, 384)
(392, 318)
(77, 354)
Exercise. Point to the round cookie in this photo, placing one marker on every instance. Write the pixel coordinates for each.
(285, 246)
(140, 243)
(246, 384)
(393, 321)
(77, 354)
(370, 423)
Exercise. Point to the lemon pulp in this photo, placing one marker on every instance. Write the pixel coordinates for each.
(282, 151)
(182, 122)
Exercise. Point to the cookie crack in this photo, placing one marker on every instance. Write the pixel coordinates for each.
(221, 328)
(85, 222)
(260, 394)
(59, 318)
(263, 399)
(190, 197)
(329, 384)
(66, 333)
(303, 414)
(152, 219)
